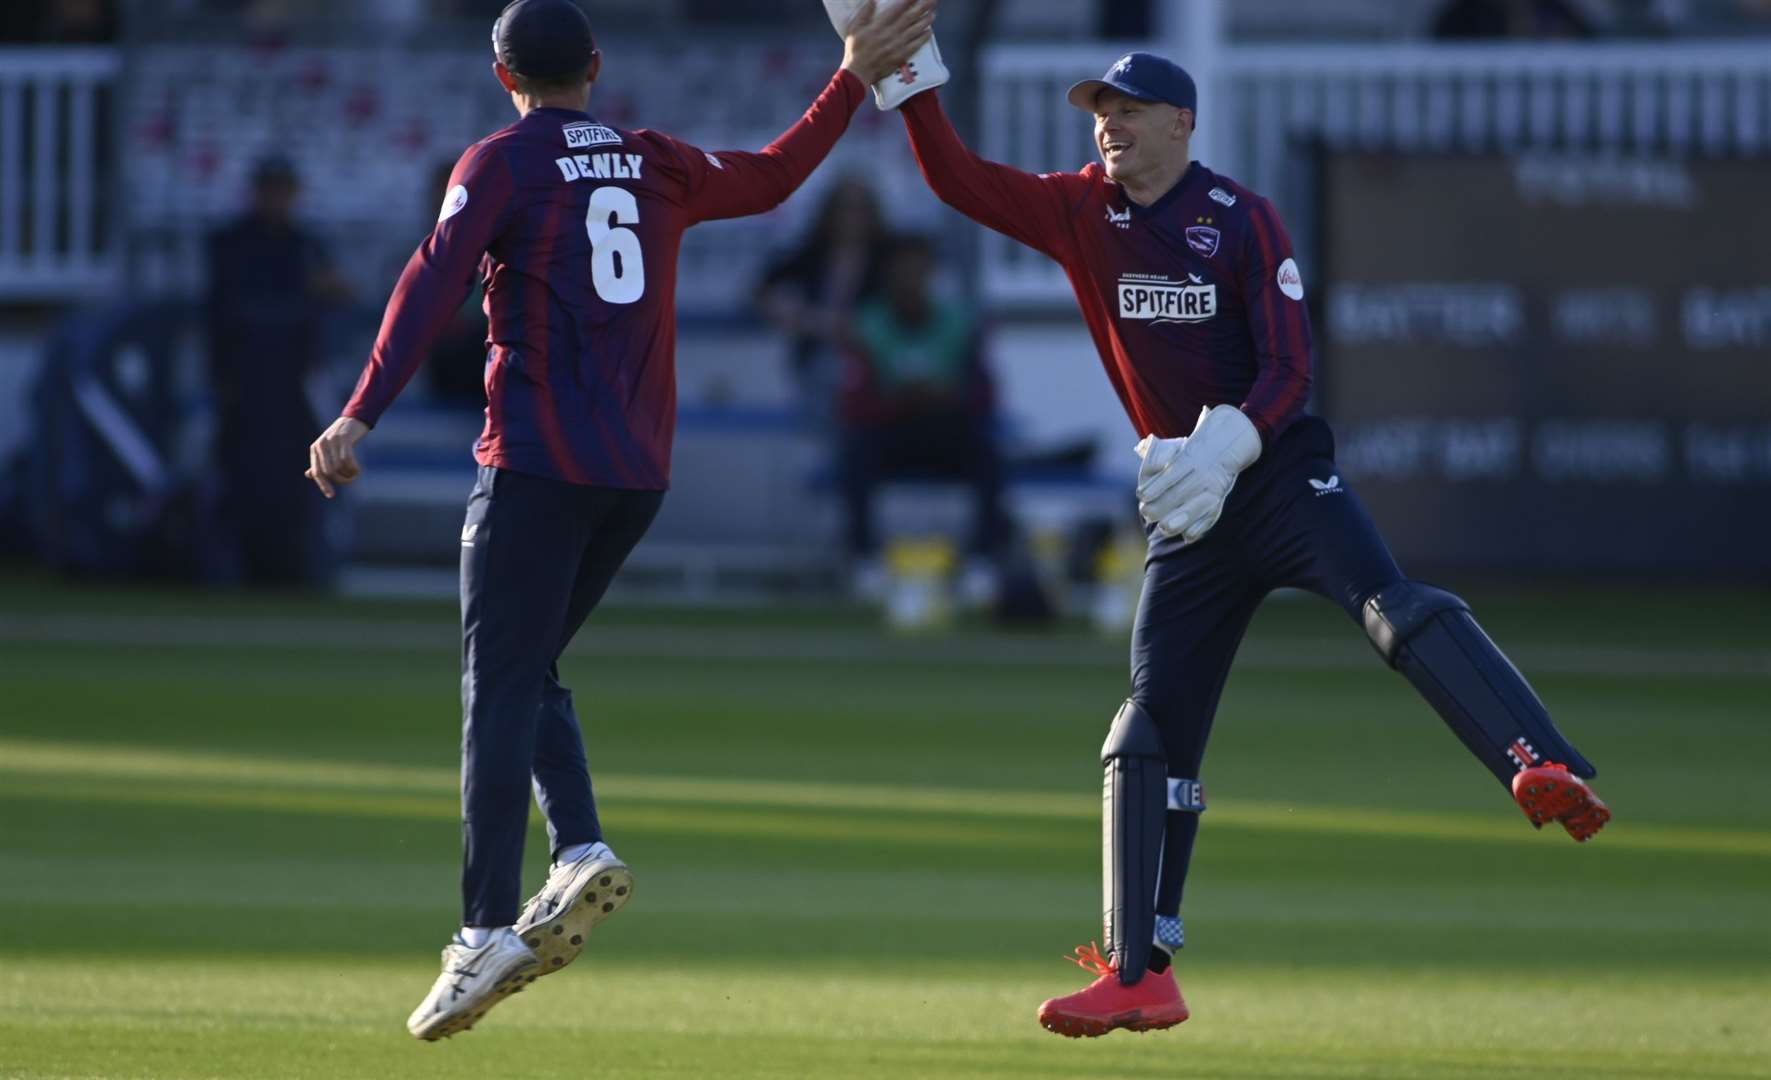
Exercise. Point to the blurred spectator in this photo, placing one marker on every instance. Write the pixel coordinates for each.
(810, 293)
(918, 402)
(1463, 20)
(58, 22)
(270, 284)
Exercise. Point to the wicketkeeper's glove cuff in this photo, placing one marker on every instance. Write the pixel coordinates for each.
(923, 71)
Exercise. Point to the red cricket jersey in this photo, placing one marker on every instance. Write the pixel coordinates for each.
(574, 227)
(1192, 301)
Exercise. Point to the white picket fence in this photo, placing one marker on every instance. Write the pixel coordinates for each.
(59, 224)
(1268, 105)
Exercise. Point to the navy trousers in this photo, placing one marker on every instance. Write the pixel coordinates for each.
(536, 556)
(1290, 521)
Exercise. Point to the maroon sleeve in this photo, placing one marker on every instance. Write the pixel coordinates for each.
(1273, 293)
(1034, 209)
(736, 183)
(436, 279)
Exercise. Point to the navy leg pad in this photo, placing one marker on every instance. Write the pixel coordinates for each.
(1134, 803)
(1429, 636)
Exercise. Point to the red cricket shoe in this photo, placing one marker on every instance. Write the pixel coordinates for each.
(1549, 792)
(1152, 1003)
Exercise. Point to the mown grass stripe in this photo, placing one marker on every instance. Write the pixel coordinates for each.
(777, 645)
(81, 772)
(184, 1019)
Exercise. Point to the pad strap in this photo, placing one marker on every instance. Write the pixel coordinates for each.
(1396, 613)
(1186, 795)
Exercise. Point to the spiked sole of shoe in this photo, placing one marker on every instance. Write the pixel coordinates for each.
(559, 939)
(512, 983)
(1570, 802)
(1092, 1027)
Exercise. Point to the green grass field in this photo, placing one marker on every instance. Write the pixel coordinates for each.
(229, 837)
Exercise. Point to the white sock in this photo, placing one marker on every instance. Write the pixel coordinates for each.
(578, 851)
(477, 936)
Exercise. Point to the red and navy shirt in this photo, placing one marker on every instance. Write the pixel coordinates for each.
(574, 227)
(1192, 301)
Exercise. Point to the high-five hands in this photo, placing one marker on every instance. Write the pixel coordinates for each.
(890, 45)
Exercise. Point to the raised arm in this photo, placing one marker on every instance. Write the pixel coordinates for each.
(1273, 291)
(1034, 209)
(732, 183)
(736, 183)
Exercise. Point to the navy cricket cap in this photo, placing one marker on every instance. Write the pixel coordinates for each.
(1141, 75)
(549, 40)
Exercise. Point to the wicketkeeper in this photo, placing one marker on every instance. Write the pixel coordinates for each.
(1196, 305)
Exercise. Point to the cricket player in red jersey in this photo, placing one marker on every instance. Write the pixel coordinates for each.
(1189, 288)
(574, 227)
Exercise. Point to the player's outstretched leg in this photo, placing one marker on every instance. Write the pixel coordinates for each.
(1429, 636)
(586, 883)
(586, 886)
(473, 980)
(1126, 994)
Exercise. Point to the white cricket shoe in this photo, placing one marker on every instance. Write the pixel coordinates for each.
(473, 980)
(578, 895)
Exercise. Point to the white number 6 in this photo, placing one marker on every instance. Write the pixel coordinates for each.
(616, 282)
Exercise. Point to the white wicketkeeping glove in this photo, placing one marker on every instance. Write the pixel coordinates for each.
(1184, 495)
(1157, 454)
(923, 71)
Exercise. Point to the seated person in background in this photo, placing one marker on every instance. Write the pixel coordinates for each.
(810, 293)
(917, 402)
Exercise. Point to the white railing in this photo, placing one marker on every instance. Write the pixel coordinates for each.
(58, 227)
(1270, 104)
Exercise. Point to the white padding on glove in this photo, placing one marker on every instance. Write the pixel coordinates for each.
(1184, 495)
(923, 71)
(1157, 454)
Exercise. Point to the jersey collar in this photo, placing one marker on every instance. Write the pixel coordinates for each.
(556, 112)
(1194, 175)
